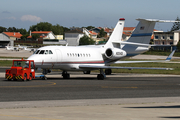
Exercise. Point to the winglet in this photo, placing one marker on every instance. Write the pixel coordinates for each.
(170, 56)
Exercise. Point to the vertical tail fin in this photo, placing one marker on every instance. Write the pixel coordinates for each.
(143, 31)
(115, 38)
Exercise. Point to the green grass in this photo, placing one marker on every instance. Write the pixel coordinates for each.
(176, 54)
(4, 57)
(5, 63)
(175, 66)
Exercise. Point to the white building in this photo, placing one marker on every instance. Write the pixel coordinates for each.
(43, 34)
(166, 38)
(72, 37)
(9, 38)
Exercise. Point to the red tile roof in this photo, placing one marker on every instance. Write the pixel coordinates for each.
(41, 32)
(39, 36)
(93, 33)
(127, 33)
(129, 28)
(152, 37)
(13, 34)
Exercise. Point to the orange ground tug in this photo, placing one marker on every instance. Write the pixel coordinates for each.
(21, 70)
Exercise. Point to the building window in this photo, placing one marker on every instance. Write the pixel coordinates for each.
(156, 37)
(171, 37)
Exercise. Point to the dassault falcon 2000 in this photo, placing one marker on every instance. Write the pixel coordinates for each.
(93, 57)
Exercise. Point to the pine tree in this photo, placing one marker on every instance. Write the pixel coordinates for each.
(176, 25)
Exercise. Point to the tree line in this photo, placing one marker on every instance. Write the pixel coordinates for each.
(42, 26)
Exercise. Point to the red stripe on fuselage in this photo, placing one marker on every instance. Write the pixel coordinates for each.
(81, 62)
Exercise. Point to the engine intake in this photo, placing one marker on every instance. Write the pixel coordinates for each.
(114, 53)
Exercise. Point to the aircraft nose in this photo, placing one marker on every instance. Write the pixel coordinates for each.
(35, 58)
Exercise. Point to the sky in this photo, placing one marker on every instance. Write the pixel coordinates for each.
(82, 13)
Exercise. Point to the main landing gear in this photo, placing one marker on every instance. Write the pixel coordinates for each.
(101, 76)
(65, 75)
(108, 71)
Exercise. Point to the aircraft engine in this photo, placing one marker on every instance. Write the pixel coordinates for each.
(114, 53)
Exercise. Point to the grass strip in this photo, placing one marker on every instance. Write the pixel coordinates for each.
(176, 66)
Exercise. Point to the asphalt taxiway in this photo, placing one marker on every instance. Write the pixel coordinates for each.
(118, 97)
(81, 86)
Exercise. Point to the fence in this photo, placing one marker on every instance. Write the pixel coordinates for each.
(27, 42)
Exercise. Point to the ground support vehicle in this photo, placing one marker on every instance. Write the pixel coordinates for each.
(21, 70)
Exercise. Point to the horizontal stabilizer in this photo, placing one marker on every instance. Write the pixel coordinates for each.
(156, 20)
(133, 43)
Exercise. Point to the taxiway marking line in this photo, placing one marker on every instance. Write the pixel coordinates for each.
(50, 84)
(38, 118)
(118, 87)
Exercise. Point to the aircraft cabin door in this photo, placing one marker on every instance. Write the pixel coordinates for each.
(58, 55)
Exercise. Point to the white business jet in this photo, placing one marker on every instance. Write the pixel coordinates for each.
(30, 49)
(87, 58)
(12, 48)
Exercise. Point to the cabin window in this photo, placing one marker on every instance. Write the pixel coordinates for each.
(42, 52)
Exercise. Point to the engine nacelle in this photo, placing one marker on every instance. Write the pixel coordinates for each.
(115, 53)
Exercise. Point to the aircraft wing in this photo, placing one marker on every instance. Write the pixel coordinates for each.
(167, 59)
(116, 67)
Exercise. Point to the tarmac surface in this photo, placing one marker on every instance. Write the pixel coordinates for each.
(83, 97)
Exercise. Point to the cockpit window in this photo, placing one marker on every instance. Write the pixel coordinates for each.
(36, 52)
(46, 52)
(50, 52)
(42, 52)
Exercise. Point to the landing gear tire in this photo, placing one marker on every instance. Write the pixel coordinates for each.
(65, 75)
(44, 78)
(108, 71)
(86, 72)
(100, 77)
